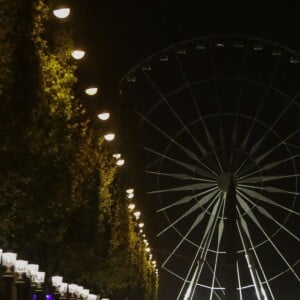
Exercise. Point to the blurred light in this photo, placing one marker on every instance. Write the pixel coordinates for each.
(120, 162)
(85, 293)
(137, 214)
(56, 280)
(32, 269)
(8, 259)
(21, 266)
(131, 206)
(154, 263)
(130, 191)
(63, 288)
(109, 137)
(91, 91)
(144, 235)
(147, 249)
(141, 225)
(72, 288)
(78, 54)
(104, 116)
(117, 155)
(141, 230)
(130, 196)
(62, 13)
(40, 277)
(150, 256)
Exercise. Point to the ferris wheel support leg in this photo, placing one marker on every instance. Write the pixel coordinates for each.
(230, 242)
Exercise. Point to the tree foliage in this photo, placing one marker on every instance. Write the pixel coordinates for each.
(61, 198)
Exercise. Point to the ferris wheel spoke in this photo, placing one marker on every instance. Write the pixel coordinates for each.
(164, 99)
(256, 179)
(273, 189)
(210, 197)
(190, 187)
(173, 141)
(265, 199)
(249, 212)
(180, 176)
(190, 167)
(239, 280)
(196, 222)
(187, 199)
(271, 166)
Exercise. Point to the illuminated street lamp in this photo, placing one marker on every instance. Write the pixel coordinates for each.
(109, 137)
(63, 289)
(130, 191)
(130, 196)
(91, 91)
(147, 249)
(104, 116)
(141, 225)
(20, 269)
(120, 162)
(137, 214)
(117, 155)
(62, 13)
(8, 261)
(78, 54)
(131, 206)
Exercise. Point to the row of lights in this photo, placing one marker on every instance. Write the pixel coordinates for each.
(63, 13)
(24, 270)
(92, 91)
(137, 215)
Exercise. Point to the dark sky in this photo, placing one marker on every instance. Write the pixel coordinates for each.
(119, 34)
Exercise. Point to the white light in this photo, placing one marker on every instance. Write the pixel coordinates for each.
(40, 277)
(63, 288)
(130, 191)
(72, 288)
(141, 230)
(62, 13)
(150, 256)
(8, 259)
(117, 155)
(137, 214)
(148, 249)
(109, 137)
(130, 196)
(78, 54)
(91, 91)
(120, 162)
(32, 269)
(21, 266)
(56, 280)
(85, 293)
(131, 206)
(141, 225)
(79, 290)
(92, 297)
(1, 251)
(104, 116)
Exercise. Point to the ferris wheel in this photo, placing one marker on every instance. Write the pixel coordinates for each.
(219, 120)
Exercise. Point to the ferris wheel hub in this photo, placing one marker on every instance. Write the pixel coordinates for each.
(224, 180)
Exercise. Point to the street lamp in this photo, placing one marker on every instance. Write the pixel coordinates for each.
(109, 137)
(141, 225)
(20, 269)
(137, 214)
(104, 116)
(120, 162)
(117, 155)
(130, 191)
(78, 54)
(131, 206)
(8, 261)
(91, 91)
(62, 13)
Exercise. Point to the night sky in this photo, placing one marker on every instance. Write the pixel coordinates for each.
(118, 35)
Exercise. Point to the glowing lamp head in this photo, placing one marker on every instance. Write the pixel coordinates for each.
(21, 266)
(63, 288)
(62, 13)
(117, 156)
(120, 162)
(109, 137)
(9, 259)
(131, 206)
(130, 191)
(56, 281)
(130, 196)
(141, 225)
(91, 91)
(85, 293)
(147, 249)
(72, 288)
(104, 116)
(137, 214)
(40, 277)
(78, 54)
(32, 269)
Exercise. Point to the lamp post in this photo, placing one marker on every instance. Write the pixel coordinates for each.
(56, 282)
(20, 280)
(8, 261)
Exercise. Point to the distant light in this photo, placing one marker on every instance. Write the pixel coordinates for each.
(150, 256)
(137, 214)
(78, 54)
(120, 162)
(117, 155)
(154, 263)
(91, 91)
(104, 116)
(62, 13)
(147, 249)
(130, 191)
(131, 206)
(141, 225)
(130, 196)
(109, 137)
